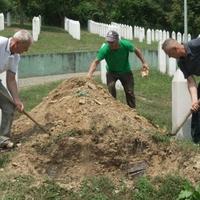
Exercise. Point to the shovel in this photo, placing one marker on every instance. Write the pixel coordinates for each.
(183, 122)
(25, 113)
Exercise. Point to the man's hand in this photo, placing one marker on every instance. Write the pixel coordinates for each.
(195, 106)
(19, 105)
(89, 76)
(144, 70)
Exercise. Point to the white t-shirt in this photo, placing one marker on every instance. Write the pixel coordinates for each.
(7, 61)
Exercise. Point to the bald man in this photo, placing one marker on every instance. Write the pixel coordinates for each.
(188, 60)
(10, 50)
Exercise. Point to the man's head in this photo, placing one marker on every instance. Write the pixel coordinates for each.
(20, 42)
(112, 38)
(173, 49)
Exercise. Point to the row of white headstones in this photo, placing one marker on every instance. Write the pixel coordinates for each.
(179, 84)
(73, 28)
(36, 24)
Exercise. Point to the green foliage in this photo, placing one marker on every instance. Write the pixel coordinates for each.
(169, 186)
(48, 190)
(21, 188)
(144, 190)
(5, 5)
(157, 14)
(190, 193)
(162, 188)
(88, 10)
(158, 138)
(98, 188)
(4, 159)
(187, 147)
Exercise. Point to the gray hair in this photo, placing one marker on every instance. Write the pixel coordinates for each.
(168, 43)
(23, 36)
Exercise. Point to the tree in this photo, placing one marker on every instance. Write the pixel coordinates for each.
(5, 5)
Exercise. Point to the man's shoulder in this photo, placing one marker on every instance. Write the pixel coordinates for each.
(125, 42)
(194, 42)
(104, 47)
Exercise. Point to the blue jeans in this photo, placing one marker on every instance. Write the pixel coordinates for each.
(7, 112)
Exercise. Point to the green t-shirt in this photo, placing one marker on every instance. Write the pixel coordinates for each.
(117, 60)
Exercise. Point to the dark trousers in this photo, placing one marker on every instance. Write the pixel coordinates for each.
(195, 124)
(127, 81)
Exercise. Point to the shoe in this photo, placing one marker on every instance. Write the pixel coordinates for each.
(5, 142)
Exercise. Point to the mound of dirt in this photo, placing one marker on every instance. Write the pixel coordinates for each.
(93, 134)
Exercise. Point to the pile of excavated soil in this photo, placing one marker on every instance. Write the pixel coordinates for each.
(92, 134)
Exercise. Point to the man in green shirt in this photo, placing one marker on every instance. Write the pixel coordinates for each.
(116, 53)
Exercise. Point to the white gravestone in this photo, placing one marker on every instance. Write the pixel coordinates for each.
(152, 35)
(1, 22)
(179, 37)
(35, 28)
(173, 35)
(172, 66)
(189, 37)
(8, 19)
(148, 36)
(161, 58)
(181, 104)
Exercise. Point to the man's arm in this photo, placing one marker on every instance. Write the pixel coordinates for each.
(192, 87)
(12, 87)
(93, 67)
(141, 57)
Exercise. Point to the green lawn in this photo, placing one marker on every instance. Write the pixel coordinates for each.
(56, 40)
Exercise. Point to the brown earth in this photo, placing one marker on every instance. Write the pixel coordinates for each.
(93, 134)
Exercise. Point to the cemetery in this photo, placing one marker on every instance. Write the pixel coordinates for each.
(90, 145)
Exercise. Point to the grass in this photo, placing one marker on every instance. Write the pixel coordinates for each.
(33, 96)
(153, 98)
(92, 188)
(56, 40)
(4, 159)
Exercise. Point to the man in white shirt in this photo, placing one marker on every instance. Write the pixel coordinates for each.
(10, 50)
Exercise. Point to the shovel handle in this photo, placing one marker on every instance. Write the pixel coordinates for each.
(42, 128)
(25, 113)
(183, 122)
